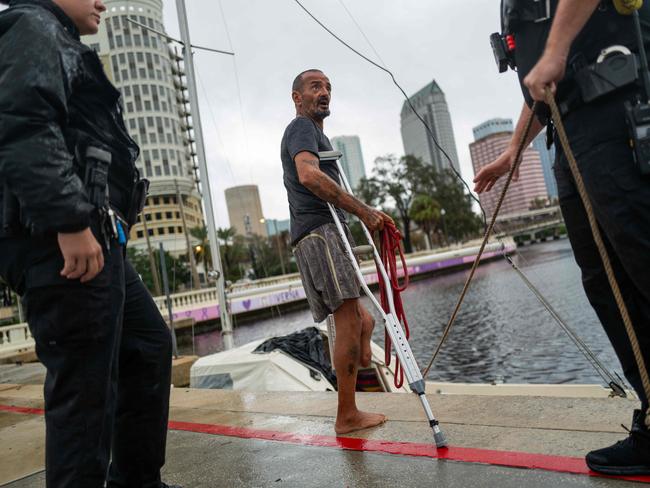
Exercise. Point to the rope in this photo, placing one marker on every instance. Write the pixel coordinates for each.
(488, 232)
(636, 349)
(391, 238)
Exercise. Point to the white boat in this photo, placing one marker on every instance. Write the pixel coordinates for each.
(242, 368)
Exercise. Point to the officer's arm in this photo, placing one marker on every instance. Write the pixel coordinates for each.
(570, 18)
(35, 163)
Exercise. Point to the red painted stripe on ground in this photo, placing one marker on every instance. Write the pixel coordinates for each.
(25, 410)
(562, 464)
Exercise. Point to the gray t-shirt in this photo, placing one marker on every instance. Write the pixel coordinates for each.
(307, 211)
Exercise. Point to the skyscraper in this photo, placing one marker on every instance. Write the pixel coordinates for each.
(548, 158)
(490, 140)
(148, 73)
(352, 160)
(245, 210)
(431, 105)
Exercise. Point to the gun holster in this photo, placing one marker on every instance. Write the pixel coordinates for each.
(97, 162)
(138, 201)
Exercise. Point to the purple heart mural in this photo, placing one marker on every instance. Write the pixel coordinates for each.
(247, 304)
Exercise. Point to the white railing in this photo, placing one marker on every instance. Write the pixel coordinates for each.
(14, 338)
(193, 299)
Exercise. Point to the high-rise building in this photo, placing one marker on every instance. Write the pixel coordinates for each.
(431, 105)
(548, 158)
(149, 75)
(245, 210)
(352, 159)
(490, 140)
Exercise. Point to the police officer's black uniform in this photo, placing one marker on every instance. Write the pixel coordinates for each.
(599, 138)
(106, 348)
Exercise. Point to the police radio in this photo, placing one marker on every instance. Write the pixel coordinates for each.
(638, 114)
(503, 47)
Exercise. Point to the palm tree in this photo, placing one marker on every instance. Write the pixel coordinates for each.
(226, 236)
(202, 249)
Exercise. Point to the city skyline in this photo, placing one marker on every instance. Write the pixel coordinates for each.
(244, 126)
(242, 135)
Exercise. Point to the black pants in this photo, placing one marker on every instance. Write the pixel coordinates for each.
(620, 197)
(107, 351)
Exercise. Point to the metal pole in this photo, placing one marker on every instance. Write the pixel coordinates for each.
(163, 267)
(280, 248)
(152, 261)
(226, 325)
(190, 250)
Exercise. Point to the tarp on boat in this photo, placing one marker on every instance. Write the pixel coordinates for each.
(277, 370)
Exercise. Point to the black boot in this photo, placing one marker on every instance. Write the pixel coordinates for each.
(630, 456)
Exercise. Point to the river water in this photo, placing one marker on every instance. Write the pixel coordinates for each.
(502, 332)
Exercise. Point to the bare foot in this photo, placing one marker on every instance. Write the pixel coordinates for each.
(366, 335)
(358, 421)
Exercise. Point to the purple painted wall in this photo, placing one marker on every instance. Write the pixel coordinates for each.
(279, 298)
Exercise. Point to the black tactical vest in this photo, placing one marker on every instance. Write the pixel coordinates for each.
(605, 28)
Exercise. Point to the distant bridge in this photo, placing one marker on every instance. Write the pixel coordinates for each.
(532, 226)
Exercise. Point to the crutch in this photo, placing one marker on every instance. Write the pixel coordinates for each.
(392, 325)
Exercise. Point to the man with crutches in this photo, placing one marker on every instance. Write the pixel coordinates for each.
(327, 274)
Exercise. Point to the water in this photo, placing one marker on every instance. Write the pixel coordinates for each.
(501, 332)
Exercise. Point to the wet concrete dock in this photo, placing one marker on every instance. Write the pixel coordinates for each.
(226, 438)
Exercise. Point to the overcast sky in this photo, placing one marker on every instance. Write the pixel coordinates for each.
(419, 40)
(445, 40)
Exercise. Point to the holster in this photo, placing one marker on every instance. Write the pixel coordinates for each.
(138, 200)
(97, 162)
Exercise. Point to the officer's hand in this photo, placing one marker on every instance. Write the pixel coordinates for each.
(488, 176)
(373, 219)
(548, 71)
(82, 254)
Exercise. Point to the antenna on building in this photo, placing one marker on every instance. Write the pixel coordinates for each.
(226, 324)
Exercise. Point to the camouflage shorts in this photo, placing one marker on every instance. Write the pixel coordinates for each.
(327, 274)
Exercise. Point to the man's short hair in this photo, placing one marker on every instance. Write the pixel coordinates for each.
(4, 2)
(297, 82)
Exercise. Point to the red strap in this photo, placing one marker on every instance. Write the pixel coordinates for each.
(390, 244)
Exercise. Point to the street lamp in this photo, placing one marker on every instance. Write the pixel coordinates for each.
(444, 226)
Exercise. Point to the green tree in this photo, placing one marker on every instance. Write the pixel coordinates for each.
(460, 221)
(425, 211)
(398, 181)
(178, 270)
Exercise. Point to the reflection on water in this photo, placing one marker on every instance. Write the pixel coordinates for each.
(502, 331)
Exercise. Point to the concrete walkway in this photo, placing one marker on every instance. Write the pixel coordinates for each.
(226, 438)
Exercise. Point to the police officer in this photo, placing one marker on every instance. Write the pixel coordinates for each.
(69, 192)
(562, 44)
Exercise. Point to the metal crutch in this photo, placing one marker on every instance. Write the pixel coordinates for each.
(392, 325)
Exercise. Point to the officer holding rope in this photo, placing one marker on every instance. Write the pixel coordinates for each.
(587, 53)
(70, 191)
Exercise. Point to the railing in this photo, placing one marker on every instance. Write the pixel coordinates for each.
(203, 305)
(14, 338)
